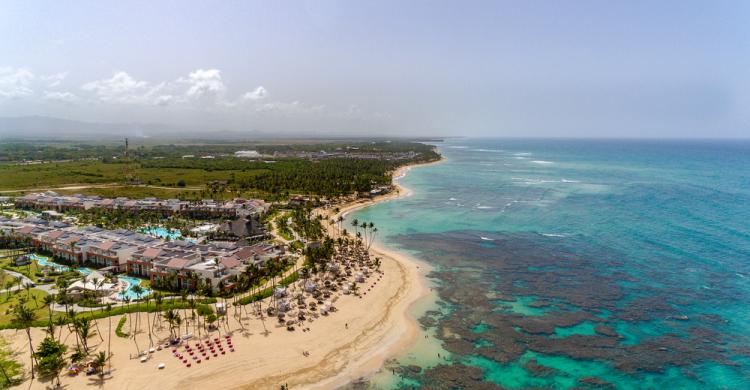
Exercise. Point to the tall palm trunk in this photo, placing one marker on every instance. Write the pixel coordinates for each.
(148, 324)
(31, 351)
(109, 343)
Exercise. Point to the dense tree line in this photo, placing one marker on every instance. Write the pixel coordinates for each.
(51, 151)
(329, 177)
(35, 151)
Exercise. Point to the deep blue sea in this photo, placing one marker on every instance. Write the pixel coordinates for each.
(578, 264)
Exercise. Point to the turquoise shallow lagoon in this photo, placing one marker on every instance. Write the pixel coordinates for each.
(579, 264)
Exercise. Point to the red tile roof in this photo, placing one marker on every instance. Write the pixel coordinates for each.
(106, 245)
(55, 234)
(177, 263)
(26, 230)
(230, 262)
(151, 252)
(72, 240)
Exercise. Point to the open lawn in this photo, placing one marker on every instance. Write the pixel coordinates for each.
(58, 174)
(35, 301)
(28, 270)
(12, 368)
(134, 192)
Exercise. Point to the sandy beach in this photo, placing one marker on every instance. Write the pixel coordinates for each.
(346, 345)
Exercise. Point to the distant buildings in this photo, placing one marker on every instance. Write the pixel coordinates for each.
(206, 208)
(247, 154)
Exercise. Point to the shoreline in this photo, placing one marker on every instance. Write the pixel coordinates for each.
(404, 332)
(365, 333)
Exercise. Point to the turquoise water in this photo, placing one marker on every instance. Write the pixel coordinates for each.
(583, 263)
(128, 293)
(132, 282)
(46, 262)
(161, 232)
(164, 233)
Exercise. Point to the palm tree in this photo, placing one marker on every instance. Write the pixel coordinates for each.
(8, 285)
(173, 319)
(83, 327)
(99, 361)
(108, 309)
(355, 223)
(148, 322)
(183, 299)
(157, 303)
(191, 303)
(25, 317)
(60, 323)
(49, 300)
(374, 232)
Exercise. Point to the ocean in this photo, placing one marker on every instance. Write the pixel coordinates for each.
(577, 264)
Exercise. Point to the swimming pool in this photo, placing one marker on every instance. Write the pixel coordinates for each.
(128, 293)
(161, 232)
(46, 262)
(132, 282)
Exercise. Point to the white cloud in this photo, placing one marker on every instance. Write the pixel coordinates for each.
(15, 82)
(64, 97)
(204, 83)
(295, 107)
(54, 80)
(200, 91)
(256, 94)
(164, 100)
(120, 88)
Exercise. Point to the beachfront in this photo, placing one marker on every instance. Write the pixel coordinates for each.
(341, 347)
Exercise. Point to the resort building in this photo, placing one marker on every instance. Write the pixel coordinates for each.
(50, 200)
(93, 282)
(181, 264)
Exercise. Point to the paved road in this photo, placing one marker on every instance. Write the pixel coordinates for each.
(24, 281)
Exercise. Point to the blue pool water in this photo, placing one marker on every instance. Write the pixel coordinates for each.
(575, 263)
(46, 262)
(132, 282)
(161, 232)
(164, 233)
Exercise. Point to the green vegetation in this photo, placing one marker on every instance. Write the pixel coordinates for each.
(30, 270)
(61, 150)
(305, 224)
(282, 227)
(219, 178)
(329, 177)
(118, 330)
(268, 291)
(30, 298)
(41, 319)
(50, 358)
(10, 370)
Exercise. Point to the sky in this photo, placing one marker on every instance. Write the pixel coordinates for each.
(529, 68)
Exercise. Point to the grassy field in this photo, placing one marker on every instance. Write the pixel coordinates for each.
(27, 270)
(35, 302)
(12, 368)
(58, 174)
(134, 192)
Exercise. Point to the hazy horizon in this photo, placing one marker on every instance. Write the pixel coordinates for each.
(579, 69)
